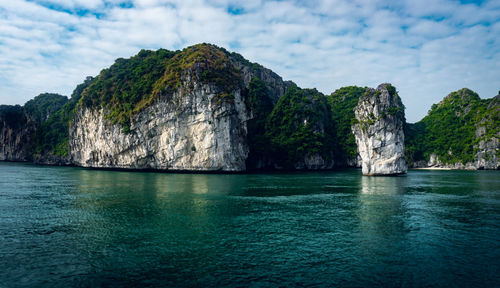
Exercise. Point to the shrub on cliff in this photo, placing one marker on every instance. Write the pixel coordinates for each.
(300, 125)
(127, 85)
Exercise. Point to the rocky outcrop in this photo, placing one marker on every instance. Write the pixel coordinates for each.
(21, 136)
(189, 130)
(379, 131)
(321, 130)
(275, 85)
(487, 153)
(354, 162)
(16, 134)
(460, 132)
(315, 161)
(196, 121)
(488, 137)
(299, 133)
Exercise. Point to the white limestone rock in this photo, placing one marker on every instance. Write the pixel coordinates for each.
(189, 130)
(379, 131)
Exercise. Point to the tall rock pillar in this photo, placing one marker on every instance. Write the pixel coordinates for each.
(378, 130)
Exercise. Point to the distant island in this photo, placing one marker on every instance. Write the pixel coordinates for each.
(207, 109)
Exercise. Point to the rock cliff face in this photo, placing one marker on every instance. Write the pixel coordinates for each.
(487, 152)
(488, 136)
(275, 85)
(197, 121)
(20, 137)
(379, 131)
(16, 134)
(192, 131)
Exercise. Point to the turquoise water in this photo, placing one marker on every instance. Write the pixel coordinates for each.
(72, 227)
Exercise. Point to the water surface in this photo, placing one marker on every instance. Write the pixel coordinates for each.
(64, 227)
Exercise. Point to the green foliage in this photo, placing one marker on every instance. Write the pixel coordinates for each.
(300, 125)
(391, 89)
(394, 110)
(44, 105)
(77, 93)
(342, 103)
(449, 128)
(397, 109)
(366, 123)
(12, 116)
(131, 85)
(207, 64)
(126, 87)
(51, 114)
(52, 135)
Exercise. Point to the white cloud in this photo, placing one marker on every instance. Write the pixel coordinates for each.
(426, 48)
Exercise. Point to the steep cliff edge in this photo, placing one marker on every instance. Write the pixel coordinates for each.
(460, 132)
(379, 131)
(16, 133)
(487, 149)
(21, 136)
(182, 110)
(193, 117)
(184, 132)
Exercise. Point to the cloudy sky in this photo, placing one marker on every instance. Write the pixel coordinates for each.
(426, 48)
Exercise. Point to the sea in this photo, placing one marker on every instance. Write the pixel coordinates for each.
(76, 227)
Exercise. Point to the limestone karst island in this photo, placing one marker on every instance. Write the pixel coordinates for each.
(208, 109)
(262, 143)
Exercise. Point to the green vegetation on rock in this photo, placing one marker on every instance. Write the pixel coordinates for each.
(300, 125)
(205, 63)
(449, 129)
(283, 131)
(131, 85)
(44, 105)
(342, 103)
(127, 86)
(398, 108)
(52, 135)
(12, 116)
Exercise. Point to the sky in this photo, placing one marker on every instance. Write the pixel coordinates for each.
(426, 48)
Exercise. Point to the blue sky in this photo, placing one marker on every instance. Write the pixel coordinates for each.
(426, 48)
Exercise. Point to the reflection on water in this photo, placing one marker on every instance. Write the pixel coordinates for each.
(63, 226)
(383, 185)
(382, 218)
